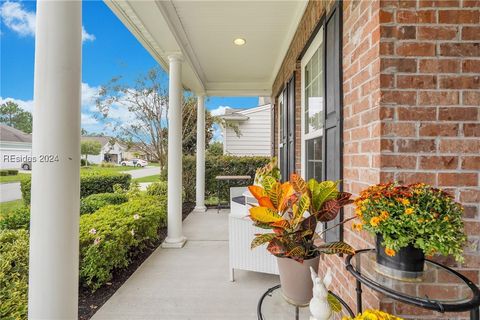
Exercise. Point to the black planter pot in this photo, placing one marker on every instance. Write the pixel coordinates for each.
(408, 259)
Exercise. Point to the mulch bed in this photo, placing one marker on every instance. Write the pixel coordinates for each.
(89, 303)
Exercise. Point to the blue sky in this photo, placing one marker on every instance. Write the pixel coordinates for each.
(109, 50)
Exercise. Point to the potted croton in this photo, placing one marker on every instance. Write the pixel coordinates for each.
(410, 222)
(292, 211)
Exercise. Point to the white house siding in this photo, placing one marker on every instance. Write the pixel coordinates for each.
(116, 149)
(255, 138)
(20, 150)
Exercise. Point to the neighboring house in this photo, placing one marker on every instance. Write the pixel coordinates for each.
(15, 147)
(111, 151)
(135, 152)
(255, 133)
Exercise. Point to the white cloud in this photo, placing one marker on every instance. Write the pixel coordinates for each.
(88, 120)
(217, 133)
(22, 21)
(18, 19)
(24, 104)
(219, 111)
(87, 36)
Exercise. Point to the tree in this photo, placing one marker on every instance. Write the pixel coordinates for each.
(215, 148)
(147, 103)
(14, 116)
(189, 123)
(90, 147)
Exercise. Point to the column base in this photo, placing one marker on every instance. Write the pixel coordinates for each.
(200, 209)
(174, 243)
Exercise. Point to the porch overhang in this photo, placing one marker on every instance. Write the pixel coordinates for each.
(203, 33)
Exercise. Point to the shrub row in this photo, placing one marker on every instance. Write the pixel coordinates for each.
(13, 274)
(110, 236)
(215, 166)
(90, 183)
(94, 202)
(158, 189)
(16, 219)
(8, 172)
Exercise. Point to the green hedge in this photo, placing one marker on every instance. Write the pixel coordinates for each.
(13, 274)
(90, 183)
(16, 219)
(110, 236)
(94, 202)
(158, 189)
(215, 166)
(8, 172)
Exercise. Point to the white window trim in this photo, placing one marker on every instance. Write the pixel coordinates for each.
(317, 41)
(279, 120)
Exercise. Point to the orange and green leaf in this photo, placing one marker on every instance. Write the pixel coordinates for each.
(262, 239)
(257, 192)
(266, 202)
(264, 215)
(336, 248)
(282, 224)
(299, 185)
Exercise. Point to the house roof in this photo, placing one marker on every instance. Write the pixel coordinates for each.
(11, 134)
(102, 139)
(203, 33)
(232, 114)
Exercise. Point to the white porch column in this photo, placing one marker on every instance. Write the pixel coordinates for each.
(55, 202)
(200, 203)
(175, 238)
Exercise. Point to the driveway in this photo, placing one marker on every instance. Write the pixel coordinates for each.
(144, 172)
(10, 191)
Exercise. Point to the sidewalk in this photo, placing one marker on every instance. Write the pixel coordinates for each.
(190, 283)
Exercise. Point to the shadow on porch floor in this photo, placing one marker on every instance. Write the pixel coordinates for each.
(190, 283)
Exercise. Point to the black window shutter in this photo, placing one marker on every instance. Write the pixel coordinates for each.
(333, 111)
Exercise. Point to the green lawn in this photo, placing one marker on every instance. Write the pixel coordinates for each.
(6, 207)
(211, 201)
(108, 169)
(15, 178)
(154, 178)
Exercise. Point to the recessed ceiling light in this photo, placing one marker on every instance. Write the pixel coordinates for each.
(239, 41)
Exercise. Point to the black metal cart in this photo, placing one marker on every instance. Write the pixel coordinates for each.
(460, 294)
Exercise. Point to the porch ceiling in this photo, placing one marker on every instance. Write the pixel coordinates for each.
(203, 32)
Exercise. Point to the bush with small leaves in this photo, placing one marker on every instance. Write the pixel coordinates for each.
(158, 189)
(94, 202)
(16, 219)
(110, 236)
(90, 183)
(13, 274)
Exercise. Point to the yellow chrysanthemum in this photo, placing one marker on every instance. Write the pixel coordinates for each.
(384, 215)
(390, 252)
(405, 202)
(375, 221)
(409, 211)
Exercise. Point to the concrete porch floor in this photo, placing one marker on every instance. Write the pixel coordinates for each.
(190, 283)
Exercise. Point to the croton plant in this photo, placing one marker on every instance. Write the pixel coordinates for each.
(292, 211)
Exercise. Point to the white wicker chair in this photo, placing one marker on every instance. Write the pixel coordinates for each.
(240, 235)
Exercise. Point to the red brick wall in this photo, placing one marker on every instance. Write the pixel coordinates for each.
(411, 87)
(430, 84)
(362, 122)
